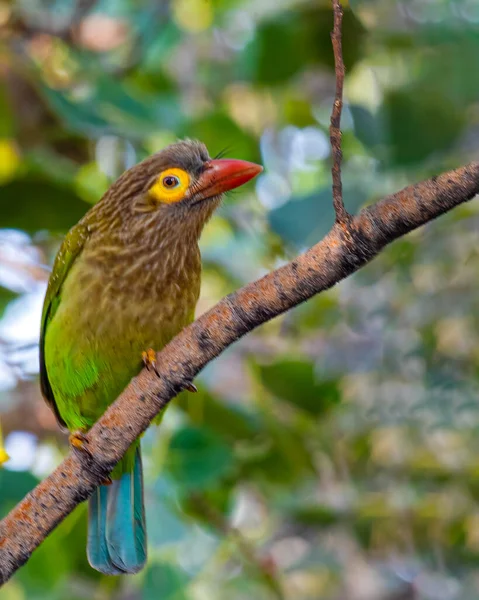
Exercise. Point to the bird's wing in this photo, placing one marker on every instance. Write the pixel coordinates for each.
(69, 251)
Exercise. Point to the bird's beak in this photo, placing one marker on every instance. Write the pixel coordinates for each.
(225, 174)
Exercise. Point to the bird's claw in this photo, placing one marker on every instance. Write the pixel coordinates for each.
(190, 387)
(79, 441)
(149, 360)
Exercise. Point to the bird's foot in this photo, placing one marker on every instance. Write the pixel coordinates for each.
(149, 360)
(107, 481)
(79, 440)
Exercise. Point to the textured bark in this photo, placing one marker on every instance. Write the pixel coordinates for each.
(342, 216)
(347, 247)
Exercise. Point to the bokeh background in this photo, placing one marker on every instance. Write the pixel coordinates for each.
(333, 454)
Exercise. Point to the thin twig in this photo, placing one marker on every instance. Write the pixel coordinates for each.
(325, 264)
(342, 216)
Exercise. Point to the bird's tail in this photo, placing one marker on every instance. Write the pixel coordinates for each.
(116, 523)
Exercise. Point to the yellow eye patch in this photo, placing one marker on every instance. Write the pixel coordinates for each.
(170, 186)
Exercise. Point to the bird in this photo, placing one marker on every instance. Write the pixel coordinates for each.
(125, 281)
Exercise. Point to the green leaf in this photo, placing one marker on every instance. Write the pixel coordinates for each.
(286, 45)
(166, 582)
(6, 114)
(198, 457)
(419, 122)
(82, 117)
(449, 57)
(230, 422)
(274, 39)
(304, 221)
(117, 108)
(287, 460)
(367, 126)
(317, 514)
(33, 203)
(6, 296)
(296, 382)
(242, 586)
(297, 111)
(14, 485)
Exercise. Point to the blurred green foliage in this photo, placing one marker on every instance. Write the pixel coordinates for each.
(333, 453)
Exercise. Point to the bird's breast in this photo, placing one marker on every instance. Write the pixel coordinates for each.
(146, 293)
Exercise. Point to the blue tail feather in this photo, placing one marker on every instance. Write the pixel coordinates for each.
(97, 550)
(116, 526)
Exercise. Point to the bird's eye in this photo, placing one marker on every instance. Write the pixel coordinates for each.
(170, 182)
(171, 186)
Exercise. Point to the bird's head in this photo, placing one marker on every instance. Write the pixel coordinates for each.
(181, 184)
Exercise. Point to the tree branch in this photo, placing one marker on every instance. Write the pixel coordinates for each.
(335, 257)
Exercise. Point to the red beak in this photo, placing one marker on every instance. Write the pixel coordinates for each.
(224, 174)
